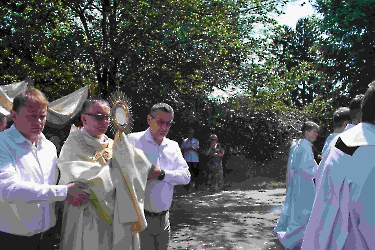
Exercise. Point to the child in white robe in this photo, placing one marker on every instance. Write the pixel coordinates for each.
(300, 194)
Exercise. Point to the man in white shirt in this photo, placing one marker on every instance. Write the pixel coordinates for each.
(28, 177)
(190, 147)
(166, 155)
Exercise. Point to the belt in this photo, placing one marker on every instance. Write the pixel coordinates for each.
(156, 214)
(33, 239)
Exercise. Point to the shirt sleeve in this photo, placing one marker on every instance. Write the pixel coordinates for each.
(180, 175)
(14, 189)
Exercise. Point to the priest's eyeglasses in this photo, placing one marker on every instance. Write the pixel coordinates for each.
(99, 117)
(162, 123)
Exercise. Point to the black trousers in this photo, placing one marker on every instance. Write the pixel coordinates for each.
(41, 241)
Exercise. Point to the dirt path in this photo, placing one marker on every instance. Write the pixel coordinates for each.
(226, 220)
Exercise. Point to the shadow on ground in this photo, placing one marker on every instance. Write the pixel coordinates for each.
(235, 219)
(241, 217)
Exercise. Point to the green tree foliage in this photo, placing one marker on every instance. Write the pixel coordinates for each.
(135, 44)
(349, 47)
(171, 51)
(31, 45)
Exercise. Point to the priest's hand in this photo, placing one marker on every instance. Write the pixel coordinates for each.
(76, 195)
(154, 172)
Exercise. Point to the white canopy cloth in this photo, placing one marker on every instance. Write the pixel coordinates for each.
(60, 111)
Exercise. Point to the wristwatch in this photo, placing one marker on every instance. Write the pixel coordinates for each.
(162, 175)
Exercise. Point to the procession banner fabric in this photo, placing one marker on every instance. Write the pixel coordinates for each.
(60, 111)
(7, 94)
(64, 109)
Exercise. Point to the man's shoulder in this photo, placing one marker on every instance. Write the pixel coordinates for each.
(136, 135)
(74, 135)
(304, 144)
(47, 143)
(5, 135)
(170, 142)
(7, 139)
(331, 136)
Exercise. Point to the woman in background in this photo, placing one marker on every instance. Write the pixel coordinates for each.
(215, 154)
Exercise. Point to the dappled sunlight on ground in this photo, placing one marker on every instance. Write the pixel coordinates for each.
(226, 220)
(231, 219)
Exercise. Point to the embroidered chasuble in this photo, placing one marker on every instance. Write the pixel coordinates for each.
(116, 175)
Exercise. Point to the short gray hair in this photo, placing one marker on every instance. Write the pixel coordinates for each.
(163, 107)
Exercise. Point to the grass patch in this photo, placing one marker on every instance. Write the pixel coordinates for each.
(276, 184)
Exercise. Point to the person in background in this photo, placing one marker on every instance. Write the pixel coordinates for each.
(3, 122)
(341, 118)
(215, 155)
(355, 109)
(356, 117)
(300, 195)
(28, 178)
(190, 147)
(341, 121)
(166, 155)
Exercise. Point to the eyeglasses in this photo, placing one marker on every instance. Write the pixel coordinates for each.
(162, 123)
(99, 117)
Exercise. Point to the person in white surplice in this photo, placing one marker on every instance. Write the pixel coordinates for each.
(301, 191)
(114, 216)
(342, 217)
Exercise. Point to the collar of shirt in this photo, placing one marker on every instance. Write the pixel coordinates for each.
(149, 138)
(19, 138)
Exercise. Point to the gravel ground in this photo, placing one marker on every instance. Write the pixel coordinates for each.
(235, 219)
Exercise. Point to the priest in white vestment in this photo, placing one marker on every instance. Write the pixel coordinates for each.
(114, 216)
(343, 213)
(300, 193)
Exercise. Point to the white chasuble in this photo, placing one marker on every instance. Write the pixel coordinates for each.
(96, 225)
